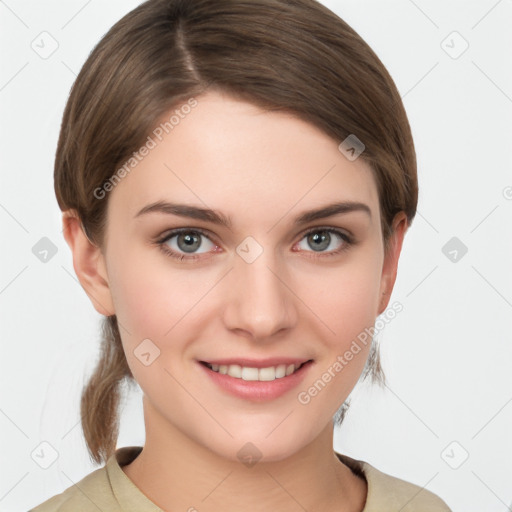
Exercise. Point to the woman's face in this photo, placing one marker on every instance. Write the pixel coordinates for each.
(258, 288)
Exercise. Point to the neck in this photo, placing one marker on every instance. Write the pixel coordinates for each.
(176, 473)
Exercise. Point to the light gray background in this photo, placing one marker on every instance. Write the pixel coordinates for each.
(447, 355)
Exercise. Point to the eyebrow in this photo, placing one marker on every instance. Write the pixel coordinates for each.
(215, 217)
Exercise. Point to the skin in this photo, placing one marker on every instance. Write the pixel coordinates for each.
(262, 169)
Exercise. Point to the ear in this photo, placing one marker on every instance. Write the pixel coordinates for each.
(391, 256)
(89, 264)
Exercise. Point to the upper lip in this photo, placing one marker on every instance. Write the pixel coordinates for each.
(257, 363)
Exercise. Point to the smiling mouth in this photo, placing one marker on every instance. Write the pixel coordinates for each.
(268, 373)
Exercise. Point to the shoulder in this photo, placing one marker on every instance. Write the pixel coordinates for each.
(92, 493)
(398, 494)
(387, 492)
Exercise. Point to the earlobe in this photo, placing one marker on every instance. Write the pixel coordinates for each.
(89, 264)
(391, 257)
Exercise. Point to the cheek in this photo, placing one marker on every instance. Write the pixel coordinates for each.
(346, 306)
(147, 295)
(155, 302)
(148, 300)
(151, 310)
(141, 306)
(346, 300)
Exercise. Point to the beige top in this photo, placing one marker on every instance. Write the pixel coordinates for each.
(110, 490)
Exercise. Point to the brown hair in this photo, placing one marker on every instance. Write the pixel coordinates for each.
(293, 56)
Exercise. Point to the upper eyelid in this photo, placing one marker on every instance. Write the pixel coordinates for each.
(176, 231)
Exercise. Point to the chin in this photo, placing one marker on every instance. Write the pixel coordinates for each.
(257, 447)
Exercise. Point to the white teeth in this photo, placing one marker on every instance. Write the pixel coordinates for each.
(234, 370)
(261, 374)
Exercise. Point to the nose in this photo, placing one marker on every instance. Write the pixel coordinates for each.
(260, 301)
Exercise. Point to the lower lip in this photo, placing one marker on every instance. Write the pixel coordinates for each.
(256, 390)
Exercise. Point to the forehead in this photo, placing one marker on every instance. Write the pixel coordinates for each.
(231, 155)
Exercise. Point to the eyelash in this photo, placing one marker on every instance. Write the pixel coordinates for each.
(348, 242)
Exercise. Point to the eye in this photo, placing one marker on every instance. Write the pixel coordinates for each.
(187, 242)
(321, 238)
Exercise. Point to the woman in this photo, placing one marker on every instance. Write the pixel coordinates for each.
(236, 179)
